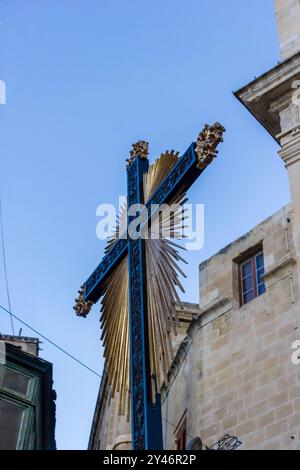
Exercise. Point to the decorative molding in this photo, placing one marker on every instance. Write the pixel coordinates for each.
(214, 310)
(294, 130)
(123, 439)
(270, 80)
(139, 149)
(277, 267)
(290, 152)
(207, 142)
(265, 96)
(82, 307)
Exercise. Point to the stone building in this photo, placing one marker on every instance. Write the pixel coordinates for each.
(233, 371)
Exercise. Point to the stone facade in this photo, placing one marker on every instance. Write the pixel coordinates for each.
(233, 371)
(288, 20)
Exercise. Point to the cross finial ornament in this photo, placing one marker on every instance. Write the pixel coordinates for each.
(207, 143)
(82, 307)
(139, 149)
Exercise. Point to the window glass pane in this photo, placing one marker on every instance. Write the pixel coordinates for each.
(259, 260)
(248, 296)
(260, 273)
(31, 432)
(261, 289)
(247, 283)
(10, 423)
(15, 381)
(261, 269)
(247, 269)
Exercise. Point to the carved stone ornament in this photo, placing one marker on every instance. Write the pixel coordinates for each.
(207, 142)
(140, 149)
(81, 307)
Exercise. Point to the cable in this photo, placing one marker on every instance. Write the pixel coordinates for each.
(4, 265)
(26, 324)
(68, 354)
(51, 342)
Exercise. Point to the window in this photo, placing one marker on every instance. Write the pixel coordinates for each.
(18, 410)
(27, 408)
(15, 381)
(10, 424)
(180, 434)
(251, 278)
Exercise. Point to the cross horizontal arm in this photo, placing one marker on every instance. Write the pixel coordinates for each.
(93, 285)
(187, 169)
(190, 165)
(182, 176)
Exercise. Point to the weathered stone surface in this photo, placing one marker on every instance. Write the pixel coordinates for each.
(288, 23)
(250, 397)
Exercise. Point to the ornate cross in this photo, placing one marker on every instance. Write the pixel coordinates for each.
(137, 280)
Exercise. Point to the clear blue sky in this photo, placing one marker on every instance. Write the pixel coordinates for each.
(85, 79)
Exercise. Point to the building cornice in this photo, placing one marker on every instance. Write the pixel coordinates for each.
(290, 152)
(261, 95)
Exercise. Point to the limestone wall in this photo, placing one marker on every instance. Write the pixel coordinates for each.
(288, 21)
(233, 373)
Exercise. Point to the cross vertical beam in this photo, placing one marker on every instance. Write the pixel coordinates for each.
(145, 417)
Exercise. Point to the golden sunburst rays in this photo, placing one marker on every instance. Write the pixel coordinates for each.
(162, 280)
(162, 269)
(162, 258)
(114, 323)
(158, 171)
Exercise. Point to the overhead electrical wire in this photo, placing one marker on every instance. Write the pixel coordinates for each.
(26, 324)
(4, 266)
(66, 352)
(51, 342)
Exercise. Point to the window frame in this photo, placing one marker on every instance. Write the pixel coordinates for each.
(253, 259)
(29, 403)
(32, 389)
(180, 433)
(44, 417)
(28, 416)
